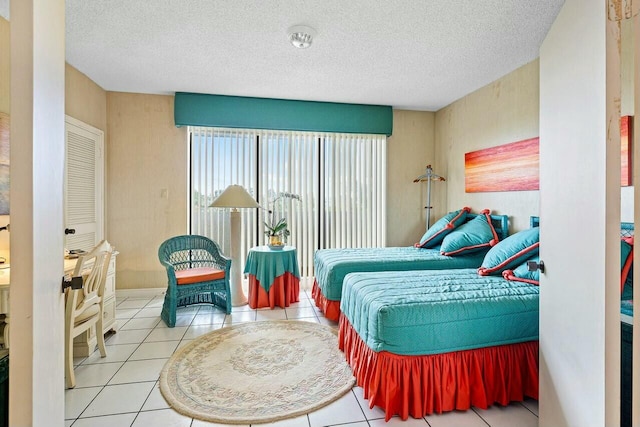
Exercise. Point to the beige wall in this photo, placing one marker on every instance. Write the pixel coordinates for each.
(85, 100)
(5, 83)
(146, 184)
(5, 65)
(409, 150)
(501, 112)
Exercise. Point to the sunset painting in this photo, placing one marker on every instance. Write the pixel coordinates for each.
(508, 167)
(626, 151)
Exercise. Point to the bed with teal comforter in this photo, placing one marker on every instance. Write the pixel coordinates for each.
(332, 265)
(438, 311)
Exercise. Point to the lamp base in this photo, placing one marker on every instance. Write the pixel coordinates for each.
(237, 294)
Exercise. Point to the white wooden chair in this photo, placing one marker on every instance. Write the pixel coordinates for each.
(83, 307)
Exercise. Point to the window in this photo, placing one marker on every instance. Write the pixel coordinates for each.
(340, 179)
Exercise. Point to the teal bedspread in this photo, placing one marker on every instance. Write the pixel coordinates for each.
(332, 265)
(438, 311)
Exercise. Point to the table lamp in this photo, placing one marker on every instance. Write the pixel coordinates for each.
(234, 197)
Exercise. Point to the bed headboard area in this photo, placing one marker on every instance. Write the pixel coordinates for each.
(534, 221)
(500, 224)
(626, 228)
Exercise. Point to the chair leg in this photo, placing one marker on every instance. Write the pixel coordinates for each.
(168, 313)
(100, 335)
(68, 357)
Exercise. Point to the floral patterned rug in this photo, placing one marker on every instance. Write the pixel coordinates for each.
(257, 372)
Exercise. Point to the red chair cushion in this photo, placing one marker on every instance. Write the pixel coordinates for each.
(197, 275)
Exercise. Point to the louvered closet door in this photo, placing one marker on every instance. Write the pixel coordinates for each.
(84, 171)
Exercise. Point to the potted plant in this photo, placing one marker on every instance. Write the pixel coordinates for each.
(276, 227)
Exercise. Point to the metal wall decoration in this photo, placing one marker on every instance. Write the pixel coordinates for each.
(429, 176)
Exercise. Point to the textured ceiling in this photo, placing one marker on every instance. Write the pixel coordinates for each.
(413, 54)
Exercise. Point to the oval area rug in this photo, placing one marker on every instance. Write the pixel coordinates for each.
(257, 372)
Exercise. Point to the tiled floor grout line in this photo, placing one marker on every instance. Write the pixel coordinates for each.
(115, 373)
(480, 416)
(304, 310)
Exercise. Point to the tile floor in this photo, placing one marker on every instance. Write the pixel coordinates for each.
(122, 389)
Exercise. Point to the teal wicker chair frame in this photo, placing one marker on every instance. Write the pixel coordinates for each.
(192, 251)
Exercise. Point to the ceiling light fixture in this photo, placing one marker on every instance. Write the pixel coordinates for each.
(301, 36)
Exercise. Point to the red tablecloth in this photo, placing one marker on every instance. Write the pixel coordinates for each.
(284, 291)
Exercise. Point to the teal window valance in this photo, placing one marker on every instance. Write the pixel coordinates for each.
(195, 109)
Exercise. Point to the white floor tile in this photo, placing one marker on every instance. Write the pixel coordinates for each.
(141, 323)
(115, 353)
(532, 405)
(208, 318)
(370, 414)
(199, 330)
(271, 315)
(344, 410)
(134, 336)
(458, 419)
(239, 317)
(184, 319)
(161, 418)
(120, 420)
(133, 303)
(166, 334)
(155, 350)
(155, 302)
(328, 322)
(139, 370)
(155, 400)
(95, 375)
(297, 313)
(508, 416)
(76, 400)
(126, 313)
(118, 399)
(148, 312)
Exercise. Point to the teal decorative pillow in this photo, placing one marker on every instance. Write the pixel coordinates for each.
(471, 236)
(522, 273)
(511, 252)
(442, 227)
(626, 261)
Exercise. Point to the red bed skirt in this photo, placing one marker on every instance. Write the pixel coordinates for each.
(330, 309)
(284, 290)
(421, 385)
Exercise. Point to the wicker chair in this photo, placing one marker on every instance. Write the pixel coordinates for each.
(197, 274)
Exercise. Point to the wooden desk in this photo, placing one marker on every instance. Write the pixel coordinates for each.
(85, 343)
(274, 276)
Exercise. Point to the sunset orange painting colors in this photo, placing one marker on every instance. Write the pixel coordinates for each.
(625, 151)
(509, 167)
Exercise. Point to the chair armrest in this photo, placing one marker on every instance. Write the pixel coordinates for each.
(171, 271)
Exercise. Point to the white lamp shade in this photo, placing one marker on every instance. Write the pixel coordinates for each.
(234, 196)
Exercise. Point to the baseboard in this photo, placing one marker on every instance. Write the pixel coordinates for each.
(140, 293)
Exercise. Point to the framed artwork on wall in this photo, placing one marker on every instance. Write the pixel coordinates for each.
(508, 167)
(626, 151)
(4, 164)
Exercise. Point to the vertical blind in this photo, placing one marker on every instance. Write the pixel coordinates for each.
(339, 178)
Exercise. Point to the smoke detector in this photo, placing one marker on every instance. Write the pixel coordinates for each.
(301, 36)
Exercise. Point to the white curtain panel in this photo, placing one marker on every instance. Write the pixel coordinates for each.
(339, 178)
